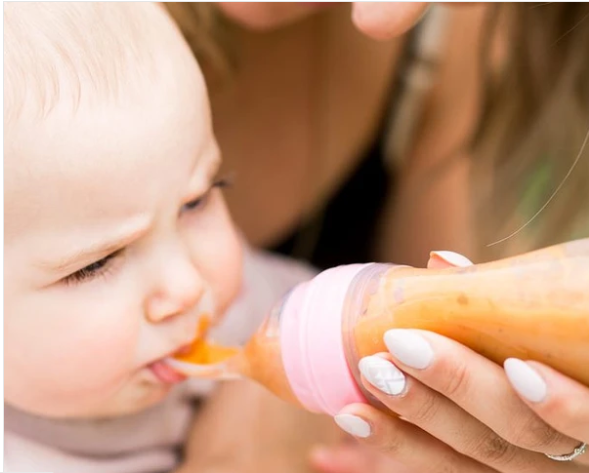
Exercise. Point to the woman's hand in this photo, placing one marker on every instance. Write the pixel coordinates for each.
(461, 412)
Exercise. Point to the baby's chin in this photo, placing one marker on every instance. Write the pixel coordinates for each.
(138, 395)
(130, 402)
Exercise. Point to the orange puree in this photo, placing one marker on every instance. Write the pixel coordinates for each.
(533, 307)
(202, 352)
(260, 360)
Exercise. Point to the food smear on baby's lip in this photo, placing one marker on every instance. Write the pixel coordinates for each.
(203, 352)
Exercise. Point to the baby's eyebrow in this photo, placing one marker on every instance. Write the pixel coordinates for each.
(92, 251)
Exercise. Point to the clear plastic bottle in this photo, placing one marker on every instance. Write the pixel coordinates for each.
(534, 306)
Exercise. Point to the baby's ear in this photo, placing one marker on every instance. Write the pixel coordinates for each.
(447, 259)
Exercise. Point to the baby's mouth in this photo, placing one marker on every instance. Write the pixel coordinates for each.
(182, 351)
(165, 373)
(168, 374)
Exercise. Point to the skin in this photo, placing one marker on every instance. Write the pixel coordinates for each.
(419, 206)
(69, 188)
(442, 407)
(555, 425)
(79, 344)
(379, 20)
(266, 16)
(386, 20)
(149, 297)
(335, 103)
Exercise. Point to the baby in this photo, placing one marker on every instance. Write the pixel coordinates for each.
(116, 237)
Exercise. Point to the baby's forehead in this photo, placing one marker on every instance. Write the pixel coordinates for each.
(74, 51)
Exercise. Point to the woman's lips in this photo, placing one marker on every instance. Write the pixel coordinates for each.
(320, 5)
(165, 373)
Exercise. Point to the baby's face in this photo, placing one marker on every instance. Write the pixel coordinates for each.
(114, 231)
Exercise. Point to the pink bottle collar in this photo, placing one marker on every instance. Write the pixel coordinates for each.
(313, 351)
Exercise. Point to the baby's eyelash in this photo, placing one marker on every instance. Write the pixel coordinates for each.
(102, 266)
(93, 270)
(223, 182)
(220, 183)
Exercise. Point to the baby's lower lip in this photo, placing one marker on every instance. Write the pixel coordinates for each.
(165, 373)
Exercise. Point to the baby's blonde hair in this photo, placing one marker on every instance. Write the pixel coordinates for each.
(56, 51)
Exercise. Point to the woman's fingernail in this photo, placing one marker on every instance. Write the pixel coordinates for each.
(453, 259)
(525, 380)
(353, 425)
(409, 348)
(382, 374)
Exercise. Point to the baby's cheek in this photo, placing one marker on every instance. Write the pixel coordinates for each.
(225, 273)
(100, 359)
(76, 366)
(217, 251)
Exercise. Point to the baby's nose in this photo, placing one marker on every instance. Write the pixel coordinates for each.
(178, 291)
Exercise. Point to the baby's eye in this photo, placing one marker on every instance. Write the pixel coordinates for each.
(193, 204)
(91, 271)
(202, 200)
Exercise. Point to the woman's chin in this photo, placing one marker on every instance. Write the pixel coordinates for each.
(267, 16)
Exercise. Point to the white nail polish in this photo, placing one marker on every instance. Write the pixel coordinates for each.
(525, 380)
(353, 425)
(382, 374)
(455, 259)
(409, 348)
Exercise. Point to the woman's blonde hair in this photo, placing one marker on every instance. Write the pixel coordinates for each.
(205, 30)
(534, 123)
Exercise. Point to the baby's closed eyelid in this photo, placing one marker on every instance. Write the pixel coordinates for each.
(93, 270)
(197, 202)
